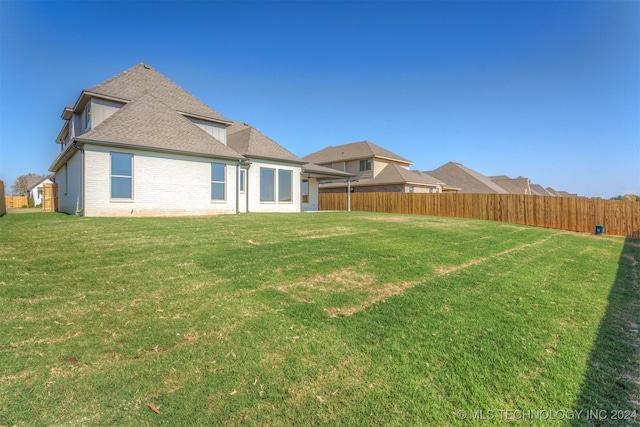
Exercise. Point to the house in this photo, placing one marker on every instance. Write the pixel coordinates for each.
(35, 188)
(375, 168)
(140, 145)
(466, 179)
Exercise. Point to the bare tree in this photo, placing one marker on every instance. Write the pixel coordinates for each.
(20, 185)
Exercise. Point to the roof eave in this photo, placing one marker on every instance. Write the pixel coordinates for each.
(275, 159)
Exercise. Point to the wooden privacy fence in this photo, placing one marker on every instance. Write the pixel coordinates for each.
(50, 197)
(16, 201)
(3, 202)
(619, 218)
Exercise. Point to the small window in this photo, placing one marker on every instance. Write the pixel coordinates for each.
(243, 178)
(267, 185)
(285, 188)
(87, 116)
(304, 191)
(411, 189)
(218, 182)
(365, 165)
(121, 176)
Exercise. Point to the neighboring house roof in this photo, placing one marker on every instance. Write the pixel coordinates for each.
(468, 180)
(34, 181)
(519, 185)
(250, 142)
(566, 194)
(317, 171)
(553, 192)
(142, 79)
(393, 174)
(353, 151)
(539, 190)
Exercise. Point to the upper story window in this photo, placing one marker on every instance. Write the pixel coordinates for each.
(365, 165)
(87, 116)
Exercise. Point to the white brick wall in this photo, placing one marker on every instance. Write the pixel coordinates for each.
(163, 184)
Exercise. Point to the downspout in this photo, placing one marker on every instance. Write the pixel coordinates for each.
(80, 201)
(238, 186)
(246, 187)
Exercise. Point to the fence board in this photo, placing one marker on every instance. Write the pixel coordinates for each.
(619, 218)
(16, 201)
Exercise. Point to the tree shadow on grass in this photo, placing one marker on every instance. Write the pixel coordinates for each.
(610, 392)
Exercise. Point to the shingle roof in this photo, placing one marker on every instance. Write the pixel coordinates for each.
(318, 171)
(353, 151)
(539, 190)
(519, 185)
(142, 79)
(468, 180)
(250, 142)
(395, 174)
(148, 123)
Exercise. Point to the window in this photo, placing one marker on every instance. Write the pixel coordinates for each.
(121, 176)
(267, 185)
(304, 191)
(411, 189)
(365, 165)
(218, 186)
(87, 116)
(285, 188)
(243, 178)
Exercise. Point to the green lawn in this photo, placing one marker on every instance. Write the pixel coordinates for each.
(325, 318)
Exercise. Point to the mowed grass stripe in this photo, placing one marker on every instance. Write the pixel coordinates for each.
(228, 320)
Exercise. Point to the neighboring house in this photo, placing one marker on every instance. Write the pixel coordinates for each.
(375, 169)
(138, 144)
(466, 179)
(519, 185)
(34, 188)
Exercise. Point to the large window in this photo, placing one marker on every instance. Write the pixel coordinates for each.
(365, 165)
(121, 176)
(218, 185)
(284, 185)
(267, 185)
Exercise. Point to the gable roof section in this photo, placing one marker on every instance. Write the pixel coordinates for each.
(148, 123)
(353, 151)
(34, 181)
(519, 185)
(396, 174)
(539, 190)
(468, 180)
(142, 79)
(250, 142)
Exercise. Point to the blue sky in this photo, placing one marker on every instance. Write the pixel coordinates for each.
(548, 90)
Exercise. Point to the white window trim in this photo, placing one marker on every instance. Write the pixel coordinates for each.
(285, 202)
(224, 183)
(111, 175)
